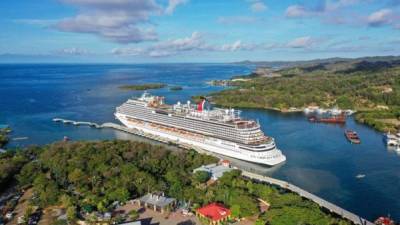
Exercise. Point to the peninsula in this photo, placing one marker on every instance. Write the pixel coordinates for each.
(371, 86)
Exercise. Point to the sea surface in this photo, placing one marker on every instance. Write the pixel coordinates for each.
(319, 158)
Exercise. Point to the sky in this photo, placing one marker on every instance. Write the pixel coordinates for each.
(141, 31)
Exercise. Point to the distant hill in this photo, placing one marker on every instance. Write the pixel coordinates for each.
(369, 85)
(327, 61)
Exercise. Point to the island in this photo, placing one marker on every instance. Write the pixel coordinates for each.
(370, 86)
(142, 87)
(110, 181)
(175, 88)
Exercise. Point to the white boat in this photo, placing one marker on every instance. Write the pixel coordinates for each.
(310, 109)
(392, 140)
(334, 111)
(216, 130)
(321, 111)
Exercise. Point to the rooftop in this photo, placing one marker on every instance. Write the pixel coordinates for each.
(216, 171)
(157, 199)
(214, 211)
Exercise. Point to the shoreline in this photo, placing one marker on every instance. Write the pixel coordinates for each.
(332, 208)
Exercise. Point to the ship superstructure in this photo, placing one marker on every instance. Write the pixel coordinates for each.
(217, 130)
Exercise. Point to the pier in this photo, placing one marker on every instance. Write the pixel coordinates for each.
(128, 130)
(305, 194)
(77, 123)
(256, 177)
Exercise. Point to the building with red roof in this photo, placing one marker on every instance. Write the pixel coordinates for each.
(214, 212)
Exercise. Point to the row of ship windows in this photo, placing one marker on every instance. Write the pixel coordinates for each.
(174, 121)
(217, 131)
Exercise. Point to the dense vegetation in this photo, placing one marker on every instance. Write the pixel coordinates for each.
(142, 87)
(373, 88)
(92, 175)
(11, 163)
(4, 136)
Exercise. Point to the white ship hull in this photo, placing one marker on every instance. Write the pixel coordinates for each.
(210, 144)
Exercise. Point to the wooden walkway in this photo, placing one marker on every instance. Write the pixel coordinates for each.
(321, 202)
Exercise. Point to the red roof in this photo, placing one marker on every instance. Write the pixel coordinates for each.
(214, 211)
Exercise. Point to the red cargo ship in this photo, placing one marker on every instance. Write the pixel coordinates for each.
(341, 119)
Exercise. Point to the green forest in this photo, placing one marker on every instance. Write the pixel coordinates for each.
(4, 136)
(92, 175)
(371, 88)
(142, 87)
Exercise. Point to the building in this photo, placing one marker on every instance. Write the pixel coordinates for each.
(215, 170)
(132, 223)
(214, 212)
(157, 202)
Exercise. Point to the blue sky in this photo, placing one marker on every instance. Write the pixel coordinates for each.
(137, 31)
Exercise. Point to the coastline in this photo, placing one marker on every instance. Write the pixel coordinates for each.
(332, 208)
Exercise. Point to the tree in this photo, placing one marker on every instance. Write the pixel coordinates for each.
(235, 209)
(71, 214)
(201, 176)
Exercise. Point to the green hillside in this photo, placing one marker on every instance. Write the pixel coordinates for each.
(372, 87)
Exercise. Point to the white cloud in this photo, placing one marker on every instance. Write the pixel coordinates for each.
(71, 51)
(380, 17)
(237, 46)
(194, 42)
(295, 11)
(258, 6)
(301, 42)
(119, 21)
(36, 22)
(128, 51)
(172, 4)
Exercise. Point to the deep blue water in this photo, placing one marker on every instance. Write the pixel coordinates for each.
(319, 158)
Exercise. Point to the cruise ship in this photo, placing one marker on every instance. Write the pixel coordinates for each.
(220, 131)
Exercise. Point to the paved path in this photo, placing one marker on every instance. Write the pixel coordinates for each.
(321, 202)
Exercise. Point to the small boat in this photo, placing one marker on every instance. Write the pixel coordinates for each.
(335, 111)
(66, 139)
(392, 139)
(312, 119)
(360, 176)
(384, 221)
(352, 136)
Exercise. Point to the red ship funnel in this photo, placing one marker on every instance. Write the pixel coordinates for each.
(200, 106)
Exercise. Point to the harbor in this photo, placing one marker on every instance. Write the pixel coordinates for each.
(250, 175)
(319, 157)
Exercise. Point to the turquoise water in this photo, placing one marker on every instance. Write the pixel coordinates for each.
(319, 158)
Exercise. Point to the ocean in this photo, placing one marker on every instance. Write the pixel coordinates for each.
(319, 158)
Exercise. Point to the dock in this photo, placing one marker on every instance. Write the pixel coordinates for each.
(305, 194)
(256, 177)
(128, 130)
